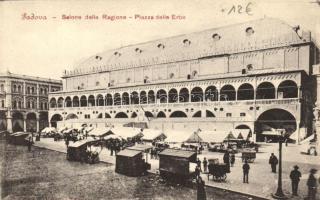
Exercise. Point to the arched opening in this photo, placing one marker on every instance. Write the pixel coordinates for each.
(173, 96)
(31, 122)
(17, 122)
(71, 116)
(211, 93)
(83, 101)
(68, 102)
(197, 114)
(287, 89)
(162, 96)
(151, 97)
(54, 119)
(117, 99)
(143, 97)
(121, 115)
(148, 114)
(178, 114)
(227, 93)
(209, 114)
(184, 95)
(106, 115)
(273, 119)
(100, 116)
(125, 98)
(100, 100)
(265, 90)
(75, 101)
(3, 121)
(134, 98)
(109, 100)
(134, 115)
(245, 92)
(60, 102)
(161, 115)
(196, 94)
(53, 103)
(43, 120)
(91, 101)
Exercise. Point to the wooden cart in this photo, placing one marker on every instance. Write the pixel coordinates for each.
(249, 155)
(175, 165)
(218, 171)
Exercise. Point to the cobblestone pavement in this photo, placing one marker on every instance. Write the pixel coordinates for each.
(262, 182)
(46, 174)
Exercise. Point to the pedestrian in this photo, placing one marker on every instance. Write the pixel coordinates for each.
(312, 185)
(199, 164)
(67, 141)
(273, 161)
(29, 142)
(201, 192)
(205, 164)
(232, 159)
(245, 168)
(295, 178)
(226, 160)
(197, 172)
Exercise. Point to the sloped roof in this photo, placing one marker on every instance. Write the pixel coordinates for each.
(151, 134)
(126, 132)
(215, 136)
(268, 33)
(178, 135)
(101, 131)
(177, 153)
(128, 153)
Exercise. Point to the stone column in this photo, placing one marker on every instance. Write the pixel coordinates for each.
(24, 95)
(24, 123)
(316, 110)
(9, 122)
(38, 124)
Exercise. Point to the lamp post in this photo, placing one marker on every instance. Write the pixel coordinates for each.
(279, 194)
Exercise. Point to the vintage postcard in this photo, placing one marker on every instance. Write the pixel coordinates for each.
(172, 99)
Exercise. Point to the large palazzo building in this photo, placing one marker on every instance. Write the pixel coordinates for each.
(255, 75)
(24, 101)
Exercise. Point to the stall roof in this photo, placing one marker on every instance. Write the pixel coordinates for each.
(128, 153)
(179, 136)
(241, 133)
(100, 132)
(17, 134)
(80, 143)
(48, 130)
(126, 132)
(177, 153)
(215, 136)
(151, 134)
(140, 147)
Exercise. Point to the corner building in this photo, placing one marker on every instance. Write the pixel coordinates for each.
(255, 75)
(24, 102)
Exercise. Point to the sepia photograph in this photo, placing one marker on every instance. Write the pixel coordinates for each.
(159, 100)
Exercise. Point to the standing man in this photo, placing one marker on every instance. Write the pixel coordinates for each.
(226, 160)
(312, 185)
(29, 142)
(295, 178)
(201, 192)
(232, 159)
(199, 164)
(246, 168)
(205, 164)
(273, 161)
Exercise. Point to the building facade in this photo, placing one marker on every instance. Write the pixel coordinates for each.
(255, 75)
(24, 101)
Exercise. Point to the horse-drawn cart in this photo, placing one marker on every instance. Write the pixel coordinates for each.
(217, 170)
(249, 155)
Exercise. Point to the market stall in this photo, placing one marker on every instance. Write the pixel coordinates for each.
(130, 163)
(175, 165)
(153, 135)
(18, 138)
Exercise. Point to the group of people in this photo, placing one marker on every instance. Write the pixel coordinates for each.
(154, 152)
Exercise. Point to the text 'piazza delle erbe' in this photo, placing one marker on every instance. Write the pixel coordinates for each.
(69, 17)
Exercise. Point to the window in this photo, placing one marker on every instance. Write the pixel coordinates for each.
(14, 104)
(32, 90)
(249, 31)
(161, 46)
(97, 83)
(2, 88)
(117, 53)
(186, 42)
(171, 75)
(41, 91)
(221, 109)
(216, 37)
(228, 114)
(14, 88)
(242, 114)
(138, 50)
(45, 91)
(28, 90)
(28, 104)
(19, 88)
(249, 67)
(2, 103)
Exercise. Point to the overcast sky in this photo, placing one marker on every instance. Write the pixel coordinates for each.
(47, 47)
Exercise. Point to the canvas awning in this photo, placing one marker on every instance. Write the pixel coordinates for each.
(241, 133)
(80, 143)
(215, 136)
(100, 132)
(178, 136)
(140, 147)
(126, 132)
(152, 134)
(48, 130)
